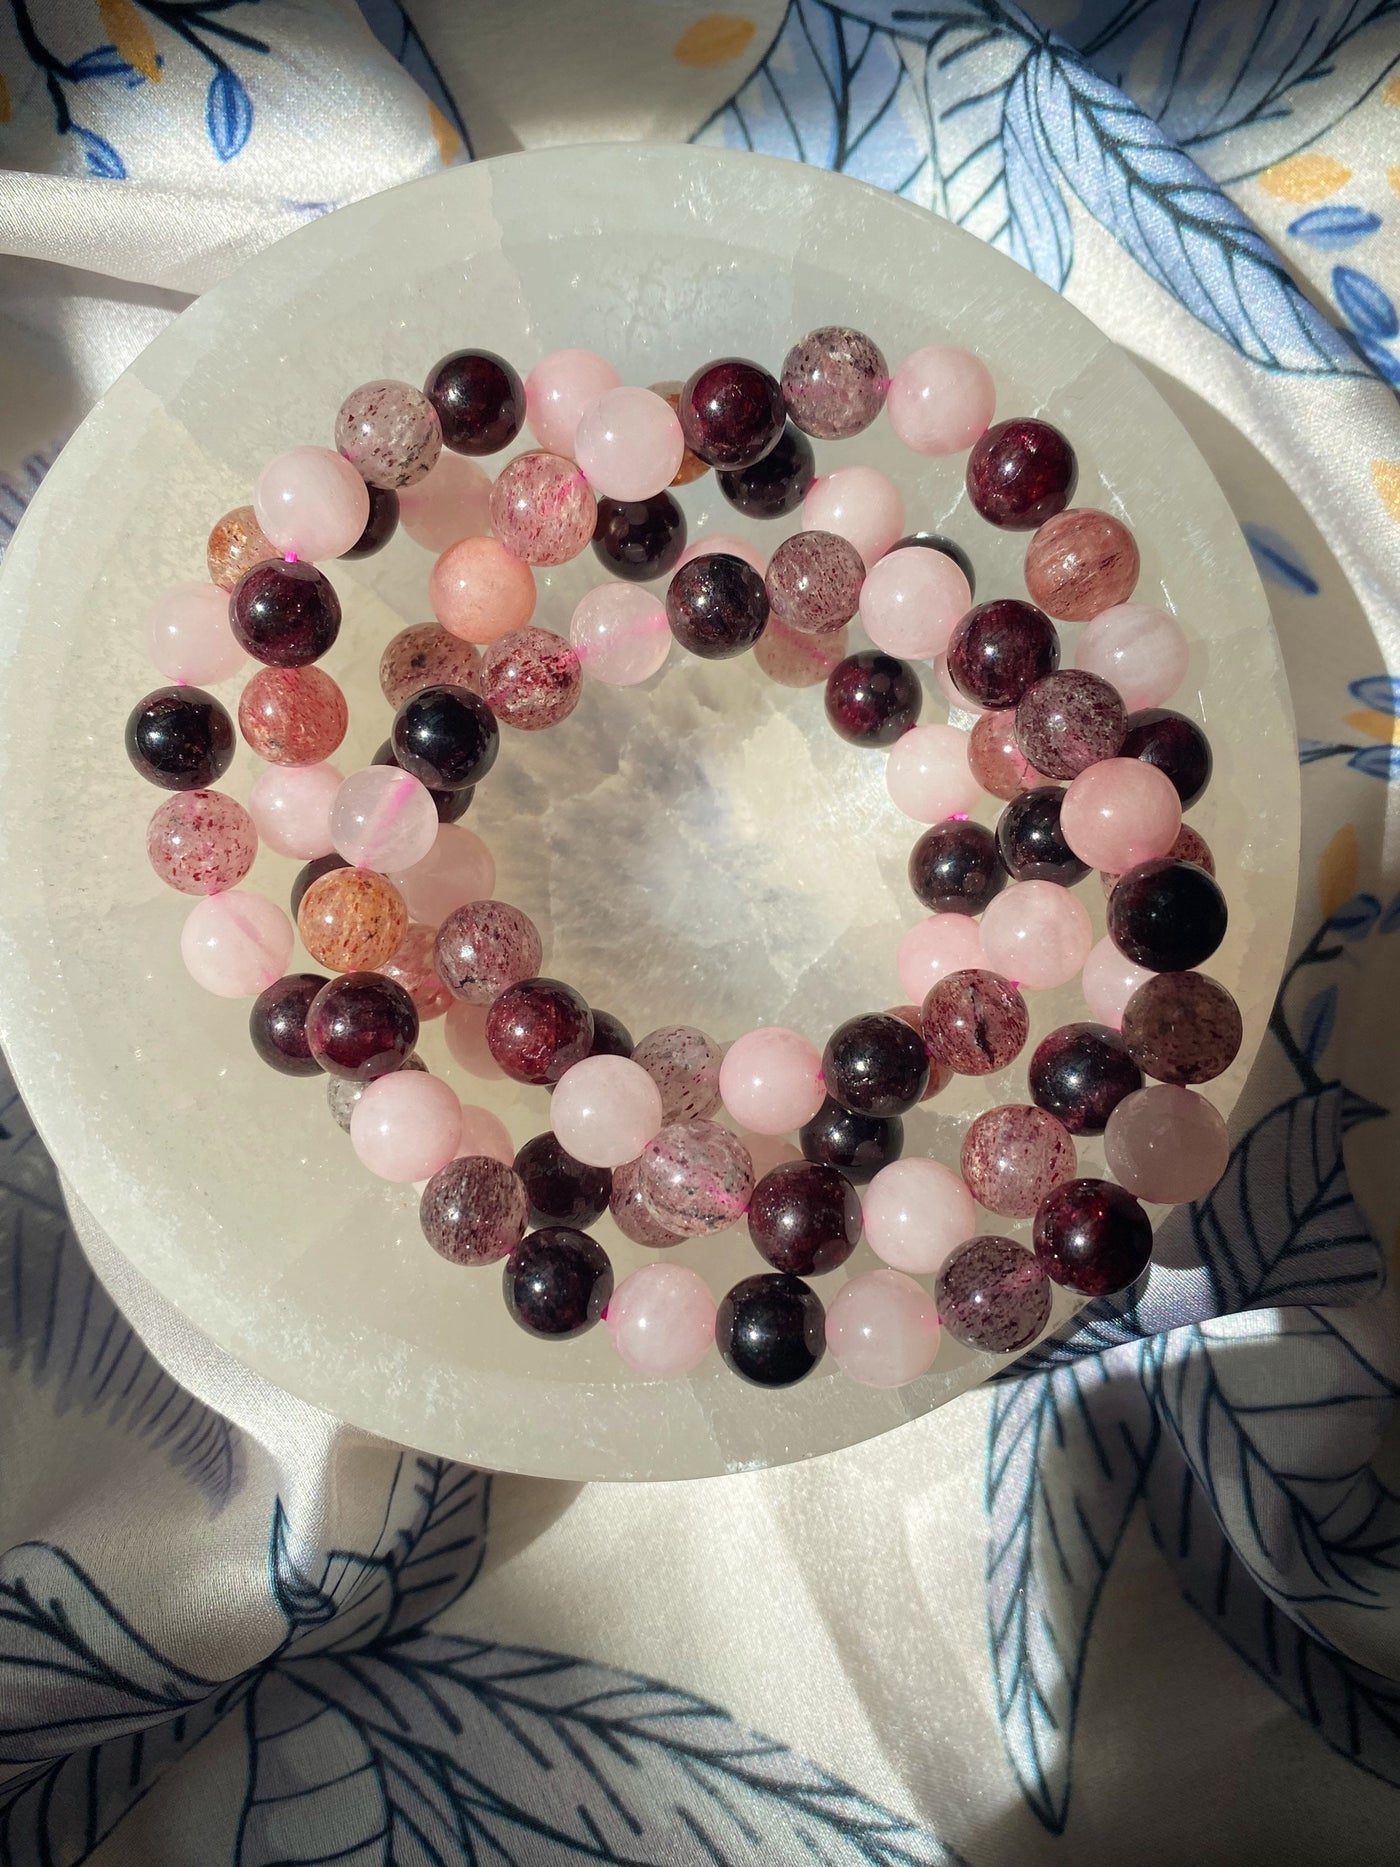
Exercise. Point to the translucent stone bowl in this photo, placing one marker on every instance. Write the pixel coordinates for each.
(702, 850)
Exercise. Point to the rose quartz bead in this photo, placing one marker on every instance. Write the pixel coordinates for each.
(557, 391)
(1080, 562)
(425, 655)
(1166, 1144)
(542, 508)
(531, 679)
(1037, 934)
(1120, 812)
(201, 842)
(684, 1064)
(292, 716)
(407, 1125)
(1013, 1156)
(484, 1135)
(927, 773)
(696, 1177)
(1109, 981)
(604, 1110)
(631, 1214)
(453, 502)
(792, 659)
(236, 544)
(771, 1080)
(311, 502)
(860, 504)
(390, 434)
(996, 759)
(411, 966)
(912, 600)
(662, 1320)
(629, 443)
(381, 818)
(465, 1032)
(941, 399)
(882, 1329)
(188, 636)
(768, 1151)
(724, 544)
(458, 868)
(1141, 651)
(935, 947)
(620, 634)
(480, 591)
(917, 1211)
(291, 805)
(236, 945)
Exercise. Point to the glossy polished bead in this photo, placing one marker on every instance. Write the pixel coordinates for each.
(882, 1329)
(794, 660)
(450, 805)
(1109, 980)
(691, 467)
(381, 818)
(804, 1218)
(352, 920)
(180, 738)
(389, 432)
(770, 1080)
(814, 582)
(380, 526)
(611, 1037)
(1080, 562)
(1080, 1073)
(696, 1177)
(277, 1023)
(938, 541)
(912, 601)
(771, 1329)
(1093, 1237)
(236, 544)
(557, 391)
(1182, 1027)
(531, 679)
(1120, 812)
(604, 1110)
(717, 607)
(776, 485)
(1167, 916)
(917, 1211)
(473, 1210)
(1030, 842)
(343, 1092)
(1188, 847)
(1038, 934)
(446, 737)
(1141, 651)
(425, 655)
(860, 504)
(1175, 745)
(311, 872)
(684, 1064)
(411, 966)
(631, 1214)
(620, 634)
(662, 1320)
(995, 758)
(731, 413)
(994, 1295)
(954, 867)
(935, 947)
(629, 443)
(480, 591)
(484, 946)
(557, 1282)
(1013, 1156)
(484, 1135)
(542, 508)
(834, 381)
(285, 615)
(406, 1126)
(724, 544)
(975, 1022)
(872, 699)
(200, 842)
(234, 944)
(860, 1145)
(1167, 1145)
(639, 539)
(453, 502)
(464, 1030)
(1069, 721)
(561, 1190)
(292, 716)
(361, 1025)
(458, 868)
(188, 636)
(1021, 473)
(310, 502)
(537, 1028)
(941, 399)
(939, 1075)
(479, 399)
(875, 1065)
(1000, 649)
(291, 805)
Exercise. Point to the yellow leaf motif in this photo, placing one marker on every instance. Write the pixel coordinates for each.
(1338, 869)
(1304, 178)
(448, 141)
(1385, 477)
(1393, 177)
(131, 36)
(1391, 93)
(1376, 726)
(713, 40)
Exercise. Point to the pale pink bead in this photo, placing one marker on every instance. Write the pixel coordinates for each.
(604, 1110)
(927, 774)
(1109, 981)
(771, 1080)
(453, 502)
(935, 947)
(480, 591)
(768, 1151)
(882, 1329)
(629, 443)
(1037, 934)
(311, 502)
(620, 634)
(912, 601)
(662, 1320)
(1141, 651)
(916, 1212)
(236, 945)
(465, 1030)
(291, 805)
(857, 503)
(1120, 812)
(557, 391)
(406, 1126)
(188, 635)
(381, 818)
(941, 399)
(1166, 1144)
(794, 659)
(485, 1136)
(458, 868)
(951, 691)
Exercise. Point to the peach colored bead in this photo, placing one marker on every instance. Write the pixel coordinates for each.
(604, 1110)
(557, 391)
(935, 947)
(793, 659)
(453, 502)
(292, 716)
(352, 920)
(771, 1080)
(927, 774)
(311, 502)
(620, 634)
(1166, 1144)
(916, 1212)
(236, 945)
(724, 544)
(911, 602)
(188, 636)
(1120, 812)
(996, 759)
(882, 1329)
(485, 1136)
(1141, 651)
(1109, 980)
(291, 806)
(480, 592)
(458, 868)
(412, 968)
(858, 503)
(662, 1320)
(941, 399)
(1080, 563)
(382, 818)
(465, 1031)
(629, 443)
(236, 544)
(406, 1126)
(1037, 934)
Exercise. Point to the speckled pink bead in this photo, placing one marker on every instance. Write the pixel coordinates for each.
(684, 1064)
(291, 806)
(292, 716)
(1120, 812)
(465, 1032)
(620, 634)
(1013, 1156)
(604, 1110)
(1109, 980)
(485, 1136)
(457, 869)
(390, 433)
(1166, 1144)
(696, 1177)
(453, 502)
(814, 582)
(858, 503)
(381, 818)
(484, 946)
(996, 759)
(629, 443)
(724, 544)
(201, 842)
(941, 399)
(406, 1126)
(412, 968)
(662, 1320)
(882, 1329)
(236, 544)
(188, 635)
(631, 1214)
(1081, 562)
(542, 508)
(771, 1080)
(311, 502)
(927, 774)
(426, 655)
(235, 944)
(531, 679)
(480, 591)
(1141, 651)
(794, 660)
(916, 1212)
(834, 381)
(557, 391)
(911, 602)
(935, 947)
(1036, 933)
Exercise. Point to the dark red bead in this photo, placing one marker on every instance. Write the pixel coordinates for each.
(611, 1037)
(535, 1030)
(1168, 916)
(446, 737)
(557, 1282)
(277, 1023)
(717, 606)
(480, 401)
(771, 1329)
(561, 1190)
(1021, 473)
(312, 872)
(380, 526)
(805, 1218)
(361, 1025)
(732, 412)
(180, 738)
(955, 867)
(936, 541)
(450, 805)
(1029, 840)
(876, 1065)
(1092, 1237)
(872, 698)
(638, 539)
(860, 1145)
(777, 484)
(1080, 1073)
(285, 615)
(1175, 745)
(1000, 649)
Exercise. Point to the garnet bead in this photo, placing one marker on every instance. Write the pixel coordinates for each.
(638, 539)
(717, 606)
(285, 614)
(479, 399)
(180, 738)
(936, 541)
(872, 698)
(1080, 1073)
(1183, 1028)
(1000, 649)
(771, 1329)
(380, 526)
(954, 868)
(805, 1218)
(450, 805)
(777, 484)
(1175, 745)
(1020, 473)
(611, 1037)
(860, 1145)
(1167, 916)
(446, 737)
(361, 1025)
(1069, 721)
(875, 1065)
(975, 1022)
(277, 1023)
(557, 1282)
(732, 412)
(537, 1028)
(1030, 843)
(1092, 1237)
(561, 1190)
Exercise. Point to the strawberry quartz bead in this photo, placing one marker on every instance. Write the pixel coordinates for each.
(872, 699)
(631, 1214)
(474, 1210)
(1175, 745)
(285, 615)
(201, 842)
(1021, 473)
(543, 509)
(731, 413)
(696, 1177)
(485, 946)
(995, 758)
(445, 737)
(1080, 562)
(1182, 1027)
(277, 1024)
(292, 716)
(860, 1145)
(777, 484)
(537, 1028)
(389, 432)
(411, 966)
(561, 1190)
(1092, 1237)
(1013, 1156)
(1167, 916)
(793, 660)
(805, 1218)
(717, 606)
(639, 539)
(1080, 1073)
(1069, 721)
(380, 526)
(771, 1329)
(1000, 649)
(975, 1022)
(834, 382)
(531, 680)
(479, 401)
(557, 1282)
(993, 1294)
(814, 582)
(685, 1066)
(236, 544)
(425, 655)
(180, 738)
(361, 1025)
(352, 920)
(954, 868)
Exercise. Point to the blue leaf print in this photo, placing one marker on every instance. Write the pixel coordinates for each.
(1334, 227)
(1355, 918)
(103, 61)
(1377, 762)
(99, 155)
(1384, 362)
(1364, 305)
(228, 112)
(1390, 920)
(1380, 692)
(1279, 561)
(15, 495)
(1319, 1022)
(396, 32)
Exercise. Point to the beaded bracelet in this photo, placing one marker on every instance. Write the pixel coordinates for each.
(397, 900)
